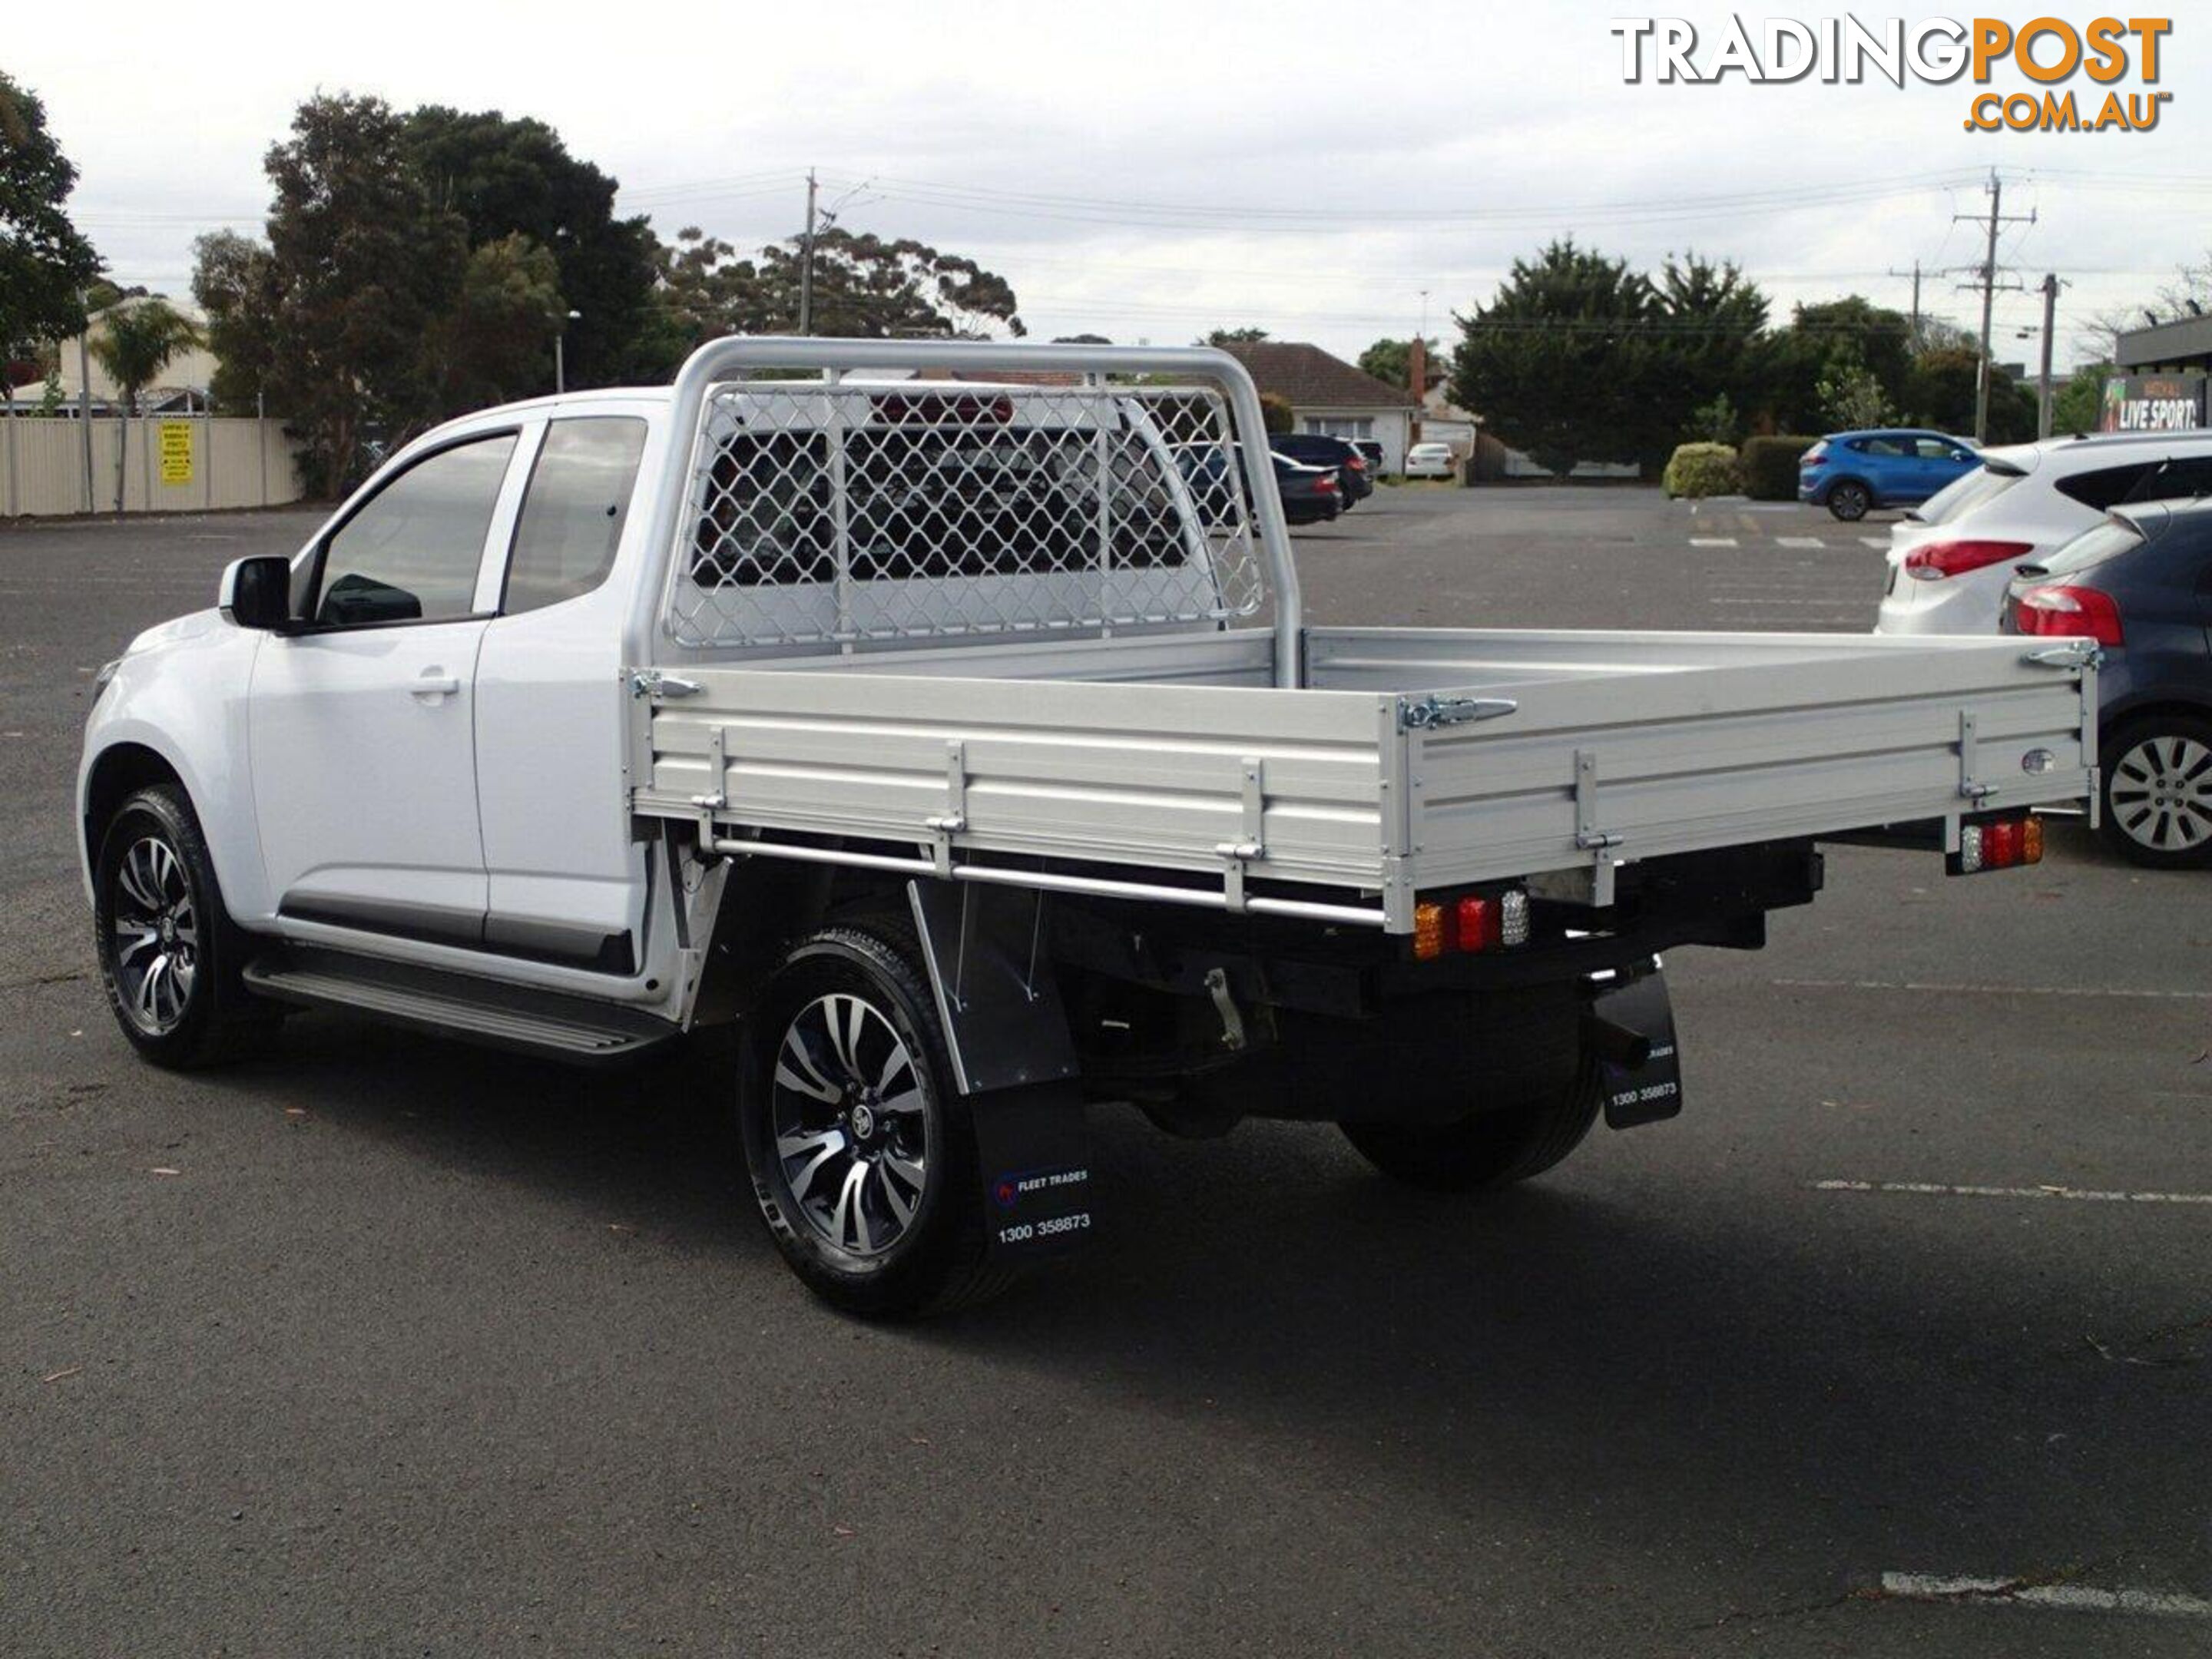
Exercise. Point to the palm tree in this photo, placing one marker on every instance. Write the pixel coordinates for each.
(135, 343)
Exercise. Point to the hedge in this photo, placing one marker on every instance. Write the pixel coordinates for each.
(1769, 466)
(1700, 470)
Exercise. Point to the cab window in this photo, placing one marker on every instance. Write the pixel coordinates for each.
(574, 512)
(411, 553)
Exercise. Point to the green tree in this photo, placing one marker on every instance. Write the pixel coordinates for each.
(2078, 405)
(493, 346)
(1276, 412)
(235, 280)
(1558, 363)
(1081, 339)
(507, 177)
(44, 263)
(1851, 398)
(1822, 342)
(1709, 321)
(340, 314)
(134, 344)
(1939, 391)
(1391, 361)
(1230, 336)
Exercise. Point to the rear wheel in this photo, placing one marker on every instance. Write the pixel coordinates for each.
(1849, 501)
(169, 954)
(1489, 1149)
(2158, 792)
(862, 1151)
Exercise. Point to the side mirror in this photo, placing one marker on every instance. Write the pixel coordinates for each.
(256, 593)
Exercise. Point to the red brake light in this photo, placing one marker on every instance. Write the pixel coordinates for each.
(2069, 613)
(1940, 559)
(1815, 456)
(1325, 485)
(1357, 463)
(1479, 924)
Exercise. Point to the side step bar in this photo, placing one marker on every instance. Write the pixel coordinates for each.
(460, 1005)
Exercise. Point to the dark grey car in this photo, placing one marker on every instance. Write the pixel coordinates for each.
(2140, 584)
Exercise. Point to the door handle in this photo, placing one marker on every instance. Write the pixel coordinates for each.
(434, 683)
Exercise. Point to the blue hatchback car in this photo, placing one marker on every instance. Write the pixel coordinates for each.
(1851, 472)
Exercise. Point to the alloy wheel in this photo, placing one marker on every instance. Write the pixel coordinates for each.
(848, 1111)
(157, 936)
(2161, 794)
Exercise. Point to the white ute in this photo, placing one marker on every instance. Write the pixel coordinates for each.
(961, 747)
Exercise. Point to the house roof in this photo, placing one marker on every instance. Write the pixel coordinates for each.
(1309, 378)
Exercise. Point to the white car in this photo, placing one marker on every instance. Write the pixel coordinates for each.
(1951, 562)
(1429, 461)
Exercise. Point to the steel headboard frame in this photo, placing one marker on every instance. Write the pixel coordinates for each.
(713, 398)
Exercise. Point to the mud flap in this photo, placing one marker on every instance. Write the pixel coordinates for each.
(1632, 1032)
(1033, 1145)
(1014, 1057)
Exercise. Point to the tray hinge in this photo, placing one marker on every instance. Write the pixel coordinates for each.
(716, 796)
(1587, 835)
(943, 826)
(1968, 788)
(1425, 713)
(2074, 654)
(1236, 855)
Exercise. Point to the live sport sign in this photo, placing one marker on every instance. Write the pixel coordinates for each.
(2153, 403)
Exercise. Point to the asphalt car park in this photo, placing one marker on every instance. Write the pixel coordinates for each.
(1898, 1341)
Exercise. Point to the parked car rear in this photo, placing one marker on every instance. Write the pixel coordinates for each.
(1318, 449)
(1851, 473)
(2139, 584)
(1429, 461)
(1311, 495)
(1951, 562)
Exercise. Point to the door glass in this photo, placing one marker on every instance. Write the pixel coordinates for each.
(411, 554)
(573, 515)
(2109, 486)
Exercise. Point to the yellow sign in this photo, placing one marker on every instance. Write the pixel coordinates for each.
(176, 452)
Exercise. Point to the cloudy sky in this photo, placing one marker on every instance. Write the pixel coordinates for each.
(1148, 172)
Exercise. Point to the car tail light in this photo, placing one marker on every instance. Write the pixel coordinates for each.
(1357, 463)
(1472, 925)
(1997, 844)
(2069, 613)
(1814, 456)
(1325, 486)
(1937, 560)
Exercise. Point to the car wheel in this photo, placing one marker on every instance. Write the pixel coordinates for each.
(1489, 1149)
(1849, 501)
(169, 954)
(862, 1151)
(2158, 792)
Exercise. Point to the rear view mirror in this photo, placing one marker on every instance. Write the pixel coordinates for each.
(256, 593)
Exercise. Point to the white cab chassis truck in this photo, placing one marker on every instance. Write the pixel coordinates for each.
(940, 721)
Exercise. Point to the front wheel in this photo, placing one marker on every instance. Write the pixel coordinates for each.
(861, 1148)
(2158, 792)
(1849, 501)
(1489, 1149)
(169, 954)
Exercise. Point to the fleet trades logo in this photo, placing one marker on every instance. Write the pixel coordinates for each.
(2048, 50)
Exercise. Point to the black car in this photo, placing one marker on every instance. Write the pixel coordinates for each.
(1310, 493)
(1372, 449)
(1353, 475)
(2140, 585)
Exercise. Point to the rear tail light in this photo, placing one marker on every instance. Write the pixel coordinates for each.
(1357, 464)
(1325, 486)
(2069, 613)
(1940, 559)
(1815, 456)
(1472, 926)
(1997, 844)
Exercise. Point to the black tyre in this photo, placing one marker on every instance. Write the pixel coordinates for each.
(1486, 1149)
(2158, 791)
(169, 954)
(1849, 501)
(861, 1148)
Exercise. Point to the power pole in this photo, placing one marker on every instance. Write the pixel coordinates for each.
(85, 405)
(2043, 383)
(1986, 280)
(1895, 271)
(806, 262)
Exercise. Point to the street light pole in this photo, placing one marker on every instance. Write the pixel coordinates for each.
(560, 353)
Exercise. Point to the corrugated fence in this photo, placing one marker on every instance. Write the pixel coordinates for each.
(169, 464)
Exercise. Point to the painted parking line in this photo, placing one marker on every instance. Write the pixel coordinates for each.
(1874, 541)
(2027, 1593)
(1799, 541)
(1712, 541)
(1830, 602)
(1944, 1189)
(1969, 988)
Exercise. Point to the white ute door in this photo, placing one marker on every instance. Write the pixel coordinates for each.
(363, 739)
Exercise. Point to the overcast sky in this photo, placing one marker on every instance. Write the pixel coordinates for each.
(1149, 171)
